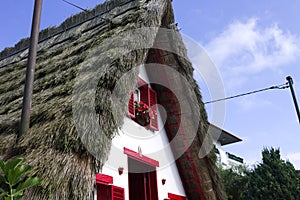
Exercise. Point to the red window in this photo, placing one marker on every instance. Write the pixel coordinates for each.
(142, 106)
(106, 191)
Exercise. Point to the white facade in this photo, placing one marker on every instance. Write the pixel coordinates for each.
(222, 138)
(227, 159)
(149, 143)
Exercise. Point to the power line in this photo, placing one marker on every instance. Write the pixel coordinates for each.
(72, 4)
(75, 6)
(283, 86)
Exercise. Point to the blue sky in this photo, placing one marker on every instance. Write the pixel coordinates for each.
(254, 44)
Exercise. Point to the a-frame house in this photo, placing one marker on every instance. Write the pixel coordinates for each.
(113, 111)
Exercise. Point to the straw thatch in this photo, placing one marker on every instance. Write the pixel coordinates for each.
(53, 145)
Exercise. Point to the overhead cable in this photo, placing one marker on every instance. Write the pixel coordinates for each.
(283, 86)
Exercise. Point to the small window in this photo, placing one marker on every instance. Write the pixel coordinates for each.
(136, 95)
(142, 106)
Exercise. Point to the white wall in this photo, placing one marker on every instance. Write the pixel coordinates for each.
(223, 158)
(154, 144)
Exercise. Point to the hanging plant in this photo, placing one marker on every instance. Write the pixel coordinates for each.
(143, 113)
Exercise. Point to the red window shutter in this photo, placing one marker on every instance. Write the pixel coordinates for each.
(144, 94)
(117, 193)
(152, 104)
(153, 185)
(103, 192)
(131, 107)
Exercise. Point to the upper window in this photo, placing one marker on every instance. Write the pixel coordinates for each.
(142, 106)
(136, 95)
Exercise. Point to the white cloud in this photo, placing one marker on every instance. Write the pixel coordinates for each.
(244, 48)
(294, 158)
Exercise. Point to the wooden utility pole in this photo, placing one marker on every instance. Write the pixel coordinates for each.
(30, 68)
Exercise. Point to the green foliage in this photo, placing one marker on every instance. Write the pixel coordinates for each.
(13, 176)
(235, 181)
(274, 179)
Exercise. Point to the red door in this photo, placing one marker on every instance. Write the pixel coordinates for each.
(142, 181)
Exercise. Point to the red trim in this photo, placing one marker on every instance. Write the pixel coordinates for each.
(175, 197)
(104, 179)
(153, 105)
(176, 113)
(144, 159)
(131, 106)
(144, 94)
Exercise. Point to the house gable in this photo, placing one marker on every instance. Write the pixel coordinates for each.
(53, 144)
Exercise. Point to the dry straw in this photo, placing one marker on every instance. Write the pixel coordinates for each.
(52, 144)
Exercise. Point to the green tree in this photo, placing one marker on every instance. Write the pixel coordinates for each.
(273, 179)
(14, 179)
(235, 181)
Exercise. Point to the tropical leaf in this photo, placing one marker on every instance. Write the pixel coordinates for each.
(3, 193)
(15, 175)
(2, 179)
(19, 173)
(10, 176)
(30, 182)
(14, 163)
(2, 166)
(17, 194)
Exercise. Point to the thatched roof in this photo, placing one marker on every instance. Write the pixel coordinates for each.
(53, 145)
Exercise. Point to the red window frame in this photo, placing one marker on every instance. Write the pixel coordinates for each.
(144, 159)
(142, 185)
(104, 179)
(147, 96)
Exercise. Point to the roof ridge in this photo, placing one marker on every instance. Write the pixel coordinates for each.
(69, 23)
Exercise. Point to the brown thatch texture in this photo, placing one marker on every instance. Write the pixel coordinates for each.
(79, 46)
(52, 145)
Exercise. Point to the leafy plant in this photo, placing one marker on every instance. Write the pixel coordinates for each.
(144, 111)
(235, 181)
(14, 178)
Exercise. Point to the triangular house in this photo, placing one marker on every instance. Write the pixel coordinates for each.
(93, 73)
